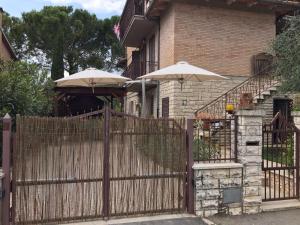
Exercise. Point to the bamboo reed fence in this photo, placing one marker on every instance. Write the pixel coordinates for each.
(62, 171)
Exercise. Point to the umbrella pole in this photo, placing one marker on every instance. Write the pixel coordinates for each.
(143, 98)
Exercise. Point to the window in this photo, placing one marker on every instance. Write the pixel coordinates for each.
(262, 64)
(165, 107)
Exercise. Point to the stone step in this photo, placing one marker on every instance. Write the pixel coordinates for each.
(273, 88)
(268, 92)
(277, 85)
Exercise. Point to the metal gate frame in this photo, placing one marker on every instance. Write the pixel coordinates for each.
(277, 133)
(9, 213)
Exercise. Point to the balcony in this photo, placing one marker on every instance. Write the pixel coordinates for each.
(132, 71)
(136, 69)
(134, 26)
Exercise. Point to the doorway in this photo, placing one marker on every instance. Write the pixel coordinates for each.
(283, 105)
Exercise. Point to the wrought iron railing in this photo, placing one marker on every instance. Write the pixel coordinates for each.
(215, 140)
(132, 8)
(254, 86)
(136, 69)
(131, 71)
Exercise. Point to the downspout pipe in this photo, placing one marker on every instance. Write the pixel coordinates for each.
(158, 67)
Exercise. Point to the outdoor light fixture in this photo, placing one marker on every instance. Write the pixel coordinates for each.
(181, 81)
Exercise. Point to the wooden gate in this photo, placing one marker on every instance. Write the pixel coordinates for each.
(280, 159)
(99, 165)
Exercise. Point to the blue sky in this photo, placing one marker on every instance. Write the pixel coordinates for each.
(102, 8)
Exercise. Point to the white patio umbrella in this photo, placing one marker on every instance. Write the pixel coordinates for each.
(182, 71)
(91, 77)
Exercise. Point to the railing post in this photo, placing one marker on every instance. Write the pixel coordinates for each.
(259, 85)
(6, 169)
(226, 101)
(106, 181)
(236, 127)
(296, 120)
(297, 161)
(190, 162)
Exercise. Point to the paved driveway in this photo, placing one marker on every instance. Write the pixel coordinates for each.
(289, 217)
(181, 221)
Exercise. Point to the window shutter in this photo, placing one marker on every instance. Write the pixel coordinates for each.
(261, 64)
(165, 107)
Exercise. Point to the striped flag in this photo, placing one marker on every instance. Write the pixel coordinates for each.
(117, 30)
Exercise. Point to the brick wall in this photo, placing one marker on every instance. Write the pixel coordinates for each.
(167, 26)
(221, 40)
(218, 39)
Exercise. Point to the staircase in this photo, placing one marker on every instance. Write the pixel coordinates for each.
(260, 87)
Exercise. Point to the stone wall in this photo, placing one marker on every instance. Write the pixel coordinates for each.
(211, 180)
(167, 89)
(296, 117)
(133, 100)
(195, 95)
(268, 102)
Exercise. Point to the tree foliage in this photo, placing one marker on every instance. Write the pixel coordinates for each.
(24, 89)
(64, 39)
(286, 48)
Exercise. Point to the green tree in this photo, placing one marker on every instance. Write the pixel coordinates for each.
(24, 89)
(286, 48)
(65, 39)
(13, 27)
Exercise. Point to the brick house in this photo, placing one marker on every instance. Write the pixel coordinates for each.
(230, 38)
(6, 51)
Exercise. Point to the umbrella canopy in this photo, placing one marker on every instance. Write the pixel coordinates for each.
(182, 71)
(91, 77)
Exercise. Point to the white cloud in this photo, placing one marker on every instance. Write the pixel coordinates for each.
(105, 6)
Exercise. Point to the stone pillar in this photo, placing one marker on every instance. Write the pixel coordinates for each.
(1, 188)
(249, 153)
(296, 117)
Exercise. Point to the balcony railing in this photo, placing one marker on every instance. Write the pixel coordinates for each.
(137, 69)
(132, 71)
(132, 8)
